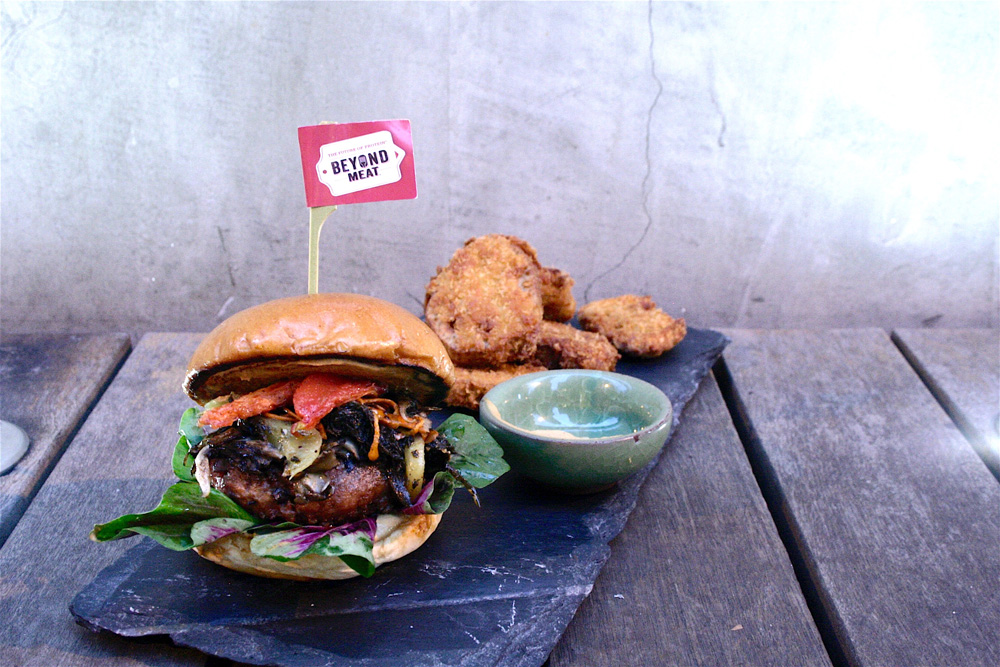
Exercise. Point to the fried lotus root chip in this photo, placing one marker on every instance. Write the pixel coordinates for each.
(633, 324)
(486, 304)
(471, 384)
(563, 346)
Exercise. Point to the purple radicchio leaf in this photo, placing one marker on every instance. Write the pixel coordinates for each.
(352, 543)
(287, 544)
(435, 497)
(366, 526)
(419, 505)
(211, 530)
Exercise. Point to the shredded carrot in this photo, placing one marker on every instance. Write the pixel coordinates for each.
(373, 450)
(387, 404)
(389, 413)
(282, 417)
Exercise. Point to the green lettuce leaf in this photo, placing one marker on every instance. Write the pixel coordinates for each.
(191, 434)
(478, 457)
(181, 461)
(189, 427)
(170, 522)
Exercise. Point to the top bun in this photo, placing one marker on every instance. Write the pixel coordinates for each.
(348, 334)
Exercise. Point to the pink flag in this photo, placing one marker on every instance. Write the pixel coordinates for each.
(353, 163)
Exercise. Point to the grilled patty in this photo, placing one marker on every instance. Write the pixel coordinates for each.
(352, 494)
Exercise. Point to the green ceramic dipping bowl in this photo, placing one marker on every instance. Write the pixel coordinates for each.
(578, 431)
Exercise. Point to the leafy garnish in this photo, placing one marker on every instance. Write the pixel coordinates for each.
(478, 460)
(436, 496)
(211, 530)
(478, 457)
(189, 427)
(352, 543)
(191, 435)
(170, 523)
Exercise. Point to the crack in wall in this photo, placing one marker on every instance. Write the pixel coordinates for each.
(649, 165)
(20, 27)
(722, 116)
(225, 253)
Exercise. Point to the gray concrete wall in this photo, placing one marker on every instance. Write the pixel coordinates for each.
(758, 165)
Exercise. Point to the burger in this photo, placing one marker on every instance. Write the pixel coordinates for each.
(311, 454)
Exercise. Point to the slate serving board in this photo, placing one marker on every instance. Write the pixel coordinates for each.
(495, 585)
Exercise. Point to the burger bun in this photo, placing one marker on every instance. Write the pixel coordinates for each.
(396, 535)
(348, 334)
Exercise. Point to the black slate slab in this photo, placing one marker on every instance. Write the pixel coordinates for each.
(493, 586)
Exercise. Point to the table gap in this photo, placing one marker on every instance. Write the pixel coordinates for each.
(941, 396)
(771, 491)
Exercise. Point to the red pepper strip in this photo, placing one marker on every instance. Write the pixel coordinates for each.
(322, 392)
(256, 402)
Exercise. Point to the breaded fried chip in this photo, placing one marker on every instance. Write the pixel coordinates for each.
(633, 324)
(557, 295)
(557, 286)
(565, 346)
(471, 384)
(486, 304)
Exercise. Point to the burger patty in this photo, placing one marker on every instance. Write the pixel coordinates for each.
(352, 494)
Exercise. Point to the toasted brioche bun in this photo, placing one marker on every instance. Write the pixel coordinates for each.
(347, 334)
(396, 536)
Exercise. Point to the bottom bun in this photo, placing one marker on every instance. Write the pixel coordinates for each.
(396, 536)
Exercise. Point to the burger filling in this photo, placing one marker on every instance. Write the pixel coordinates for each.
(365, 457)
(324, 450)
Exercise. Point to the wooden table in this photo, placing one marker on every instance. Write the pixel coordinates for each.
(49, 385)
(827, 500)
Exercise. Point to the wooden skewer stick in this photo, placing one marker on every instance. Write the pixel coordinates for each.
(317, 216)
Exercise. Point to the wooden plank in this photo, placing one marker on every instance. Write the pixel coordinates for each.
(699, 575)
(118, 462)
(49, 383)
(894, 515)
(961, 367)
